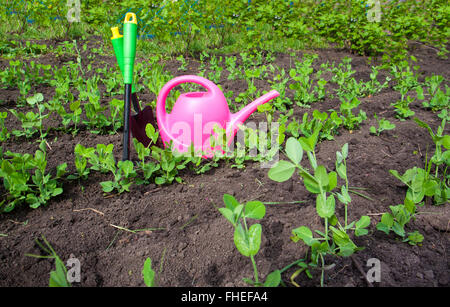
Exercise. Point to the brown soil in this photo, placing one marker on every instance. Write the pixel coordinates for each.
(196, 240)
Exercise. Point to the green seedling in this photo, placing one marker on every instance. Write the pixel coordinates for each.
(4, 134)
(183, 63)
(351, 121)
(148, 273)
(247, 239)
(438, 99)
(58, 277)
(82, 154)
(305, 93)
(383, 125)
(396, 220)
(234, 72)
(414, 238)
(150, 276)
(74, 116)
(31, 122)
(402, 106)
(421, 182)
(22, 185)
(279, 84)
(123, 177)
(147, 168)
(116, 110)
(320, 182)
(404, 76)
(374, 86)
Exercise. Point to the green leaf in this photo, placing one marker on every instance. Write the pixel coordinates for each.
(387, 219)
(58, 278)
(255, 210)
(332, 181)
(294, 150)
(254, 234)
(325, 207)
(107, 186)
(305, 234)
(273, 279)
(230, 202)
(248, 243)
(281, 171)
(321, 175)
(228, 214)
(363, 222)
(148, 273)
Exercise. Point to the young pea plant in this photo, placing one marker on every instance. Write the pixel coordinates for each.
(438, 99)
(374, 86)
(124, 175)
(4, 134)
(147, 168)
(183, 63)
(421, 182)
(23, 185)
(333, 241)
(234, 72)
(31, 122)
(402, 106)
(383, 125)
(74, 117)
(82, 154)
(279, 84)
(248, 239)
(351, 121)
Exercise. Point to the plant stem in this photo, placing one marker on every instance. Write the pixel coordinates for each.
(255, 269)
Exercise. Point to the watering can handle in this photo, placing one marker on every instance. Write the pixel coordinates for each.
(161, 101)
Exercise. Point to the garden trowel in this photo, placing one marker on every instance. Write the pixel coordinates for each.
(125, 51)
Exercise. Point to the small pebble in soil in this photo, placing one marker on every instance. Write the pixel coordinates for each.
(419, 275)
(429, 274)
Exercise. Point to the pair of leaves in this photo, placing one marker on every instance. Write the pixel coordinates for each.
(233, 210)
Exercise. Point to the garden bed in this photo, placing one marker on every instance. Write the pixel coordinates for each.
(185, 226)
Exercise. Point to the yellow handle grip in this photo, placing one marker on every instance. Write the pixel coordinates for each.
(130, 18)
(115, 33)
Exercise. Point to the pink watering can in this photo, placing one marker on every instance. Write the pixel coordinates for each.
(195, 115)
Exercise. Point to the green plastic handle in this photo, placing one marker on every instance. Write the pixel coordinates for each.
(117, 42)
(129, 46)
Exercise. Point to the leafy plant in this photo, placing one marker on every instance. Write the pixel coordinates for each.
(23, 186)
(383, 125)
(247, 239)
(396, 220)
(320, 182)
(438, 99)
(4, 134)
(303, 86)
(31, 122)
(349, 120)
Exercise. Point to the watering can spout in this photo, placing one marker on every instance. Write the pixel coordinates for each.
(241, 116)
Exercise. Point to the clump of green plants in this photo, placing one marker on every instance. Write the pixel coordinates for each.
(335, 240)
(422, 182)
(25, 179)
(305, 93)
(438, 99)
(396, 220)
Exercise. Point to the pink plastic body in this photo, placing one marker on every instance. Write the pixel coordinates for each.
(195, 115)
